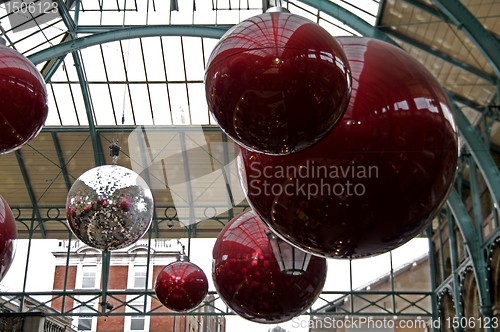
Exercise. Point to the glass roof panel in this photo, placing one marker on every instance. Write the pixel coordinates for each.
(198, 106)
(153, 59)
(102, 104)
(173, 58)
(178, 103)
(113, 61)
(195, 66)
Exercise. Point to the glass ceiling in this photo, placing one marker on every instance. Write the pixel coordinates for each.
(112, 67)
(141, 81)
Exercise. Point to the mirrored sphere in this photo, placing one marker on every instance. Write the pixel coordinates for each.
(181, 286)
(8, 236)
(248, 279)
(378, 179)
(23, 102)
(109, 207)
(277, 83)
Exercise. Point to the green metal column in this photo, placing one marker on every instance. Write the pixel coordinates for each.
(96, 144)
(106, 259)
(459, 304)
(434, 282)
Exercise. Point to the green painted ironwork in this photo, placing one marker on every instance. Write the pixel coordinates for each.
(443, 56)
(96, 144)
(36, 210)
(480, 266)
(62, 162)
(487, 43)
(473, 142)
(121, 33)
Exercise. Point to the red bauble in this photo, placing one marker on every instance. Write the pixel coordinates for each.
(277, 83)
(8, 235)
(379, 177)
(181, 286)
(23, 105)
(248, 279)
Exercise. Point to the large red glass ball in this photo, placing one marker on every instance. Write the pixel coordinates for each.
(181, 286)
(379, 177)
(248, 279)
(23, 105)
(8, 236)
(277, 83)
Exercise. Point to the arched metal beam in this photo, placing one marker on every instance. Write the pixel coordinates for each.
(126, 33)
(488, 44)
(477, 147)
(471, 238)
(348, 18)
(441, 55)
(481, 154)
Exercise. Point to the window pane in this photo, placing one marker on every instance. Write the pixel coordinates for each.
(137, 323)
(84, 324)
(139, 276)
(89, 276)
(139, 281)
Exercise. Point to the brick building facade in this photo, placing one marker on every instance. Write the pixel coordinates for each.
(79, 269)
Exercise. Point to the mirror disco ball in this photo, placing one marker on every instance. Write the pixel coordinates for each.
(109, 207)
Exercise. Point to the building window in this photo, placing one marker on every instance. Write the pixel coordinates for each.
(86, 323)
(89, 273)
(139, 276)
(136, 321)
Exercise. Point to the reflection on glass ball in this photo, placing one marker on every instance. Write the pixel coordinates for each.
(378, 179)
(8, 236)
(277, 83)
(248, 279)
(109, 207)
(23, 105)
(181, 286)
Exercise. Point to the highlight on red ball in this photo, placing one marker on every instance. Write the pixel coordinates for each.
(23, 105)
(377, 180)
(277, 83)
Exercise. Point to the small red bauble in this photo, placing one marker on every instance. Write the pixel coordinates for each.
(181, 285)
(23, 105)
(379, 177)
(248, 279)
(277, 83)
(8, 235)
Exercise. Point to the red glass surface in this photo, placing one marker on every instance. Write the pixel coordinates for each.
(379, 177)
(248, 279)
(8, 235)
(277, 83)
(23, 105)
(181, 286)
